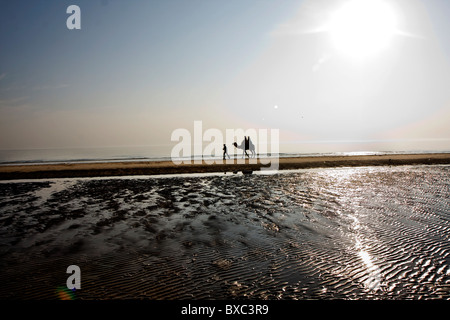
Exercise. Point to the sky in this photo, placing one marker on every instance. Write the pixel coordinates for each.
(138, 70)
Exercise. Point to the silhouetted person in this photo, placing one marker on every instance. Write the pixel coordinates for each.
(225, 152)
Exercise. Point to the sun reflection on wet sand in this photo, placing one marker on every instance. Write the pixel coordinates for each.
(373, 281)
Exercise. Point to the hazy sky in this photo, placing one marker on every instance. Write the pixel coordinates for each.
(137, 70)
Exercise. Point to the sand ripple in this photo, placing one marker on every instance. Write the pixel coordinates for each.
(347, 233)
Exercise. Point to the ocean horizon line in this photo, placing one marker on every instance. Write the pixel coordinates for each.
(157, 158)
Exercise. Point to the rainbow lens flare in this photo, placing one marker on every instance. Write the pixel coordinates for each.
(65, 293)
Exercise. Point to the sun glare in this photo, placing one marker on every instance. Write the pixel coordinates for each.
(362, 28)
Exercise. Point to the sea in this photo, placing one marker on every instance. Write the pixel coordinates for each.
(147, 153)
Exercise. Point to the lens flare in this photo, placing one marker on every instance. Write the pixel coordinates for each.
(64, 293)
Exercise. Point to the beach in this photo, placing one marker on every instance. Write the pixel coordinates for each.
(99, 169)
(342, 232)
(234, 154)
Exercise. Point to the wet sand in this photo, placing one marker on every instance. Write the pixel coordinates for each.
(39, 171)
(334, 233)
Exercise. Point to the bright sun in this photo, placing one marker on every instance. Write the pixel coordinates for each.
(362, 28)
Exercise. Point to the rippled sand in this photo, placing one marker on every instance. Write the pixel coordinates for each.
(346, 233)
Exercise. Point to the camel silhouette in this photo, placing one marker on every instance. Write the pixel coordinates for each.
(245, 145)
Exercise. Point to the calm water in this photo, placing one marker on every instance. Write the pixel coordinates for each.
(348, 233)
(139, 153)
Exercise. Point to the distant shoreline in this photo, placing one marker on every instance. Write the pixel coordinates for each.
(102, 169)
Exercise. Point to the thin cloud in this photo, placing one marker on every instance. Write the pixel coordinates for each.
(50, 87)
(13, 102)
(2, 76)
